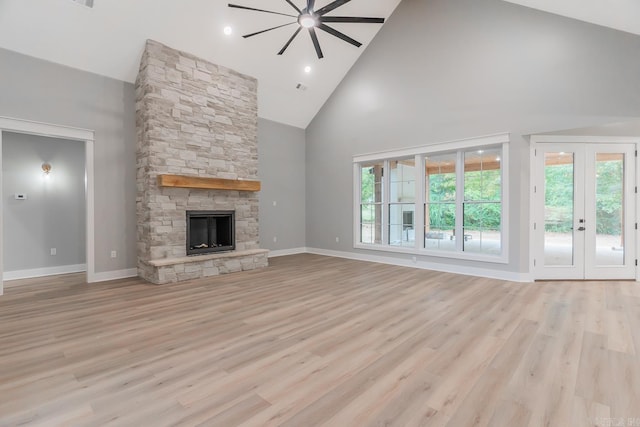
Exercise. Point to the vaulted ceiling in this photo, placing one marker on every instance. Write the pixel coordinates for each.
(108, 39)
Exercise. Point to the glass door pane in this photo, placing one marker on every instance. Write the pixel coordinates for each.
(609, 205)
(558, 209)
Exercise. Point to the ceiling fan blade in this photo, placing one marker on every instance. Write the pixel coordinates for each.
(290, 40)
(333, 5)
(293, 6)
(339, 35)
(268, 29)
(310, 5)
(352, 19)
(316, 43)
(260, 10)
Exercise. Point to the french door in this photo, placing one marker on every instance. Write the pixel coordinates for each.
(584, 211)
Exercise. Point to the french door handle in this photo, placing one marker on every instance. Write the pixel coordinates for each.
(580, 228)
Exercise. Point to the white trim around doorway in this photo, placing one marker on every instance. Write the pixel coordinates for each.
(85, 136)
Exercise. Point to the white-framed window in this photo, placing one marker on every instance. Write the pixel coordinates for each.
(446, 200)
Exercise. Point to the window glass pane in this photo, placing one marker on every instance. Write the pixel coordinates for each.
(482, 207)
(482, 174)
(402, 181)
(402, 195)
(440, 223)
(440, 178)
(482, 232)
(370, 224)
(371, 179)
(402, 224)
(440, 209)
(371, 203)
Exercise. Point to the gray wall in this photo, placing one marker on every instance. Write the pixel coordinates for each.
(281, 168)
(38, 90)
(447, 69)
(53, 215)
(41, 91)
(438, 70)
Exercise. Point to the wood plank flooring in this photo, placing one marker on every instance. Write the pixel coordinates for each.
(314, 340)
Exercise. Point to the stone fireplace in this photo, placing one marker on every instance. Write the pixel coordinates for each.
(197, 152)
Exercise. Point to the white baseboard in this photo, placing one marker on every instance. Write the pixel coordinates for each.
(41, 272)
(113, 275)
(285, 252)
(426, 265)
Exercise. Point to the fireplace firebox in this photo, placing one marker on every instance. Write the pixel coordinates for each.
(210, 231)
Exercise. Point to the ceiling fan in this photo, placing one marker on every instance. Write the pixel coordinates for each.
(311, 19)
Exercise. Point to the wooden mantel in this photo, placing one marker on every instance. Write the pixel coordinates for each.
(183, 181)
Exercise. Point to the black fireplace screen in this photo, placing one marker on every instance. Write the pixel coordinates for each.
(210, 231)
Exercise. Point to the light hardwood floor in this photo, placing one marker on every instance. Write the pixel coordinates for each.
(315, 340)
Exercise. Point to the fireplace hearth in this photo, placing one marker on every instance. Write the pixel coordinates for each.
(210, 231)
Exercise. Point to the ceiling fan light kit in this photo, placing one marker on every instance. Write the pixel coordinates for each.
(311, 19)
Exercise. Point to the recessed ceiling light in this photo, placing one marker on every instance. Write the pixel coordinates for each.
(307, 69)
(228, 30)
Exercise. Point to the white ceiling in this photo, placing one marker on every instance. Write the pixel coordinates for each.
(108, 39)
(622, 15)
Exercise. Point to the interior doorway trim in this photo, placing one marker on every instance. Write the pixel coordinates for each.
(541, 139)
(85, 136)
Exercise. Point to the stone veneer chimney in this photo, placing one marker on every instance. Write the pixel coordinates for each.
(196, 119)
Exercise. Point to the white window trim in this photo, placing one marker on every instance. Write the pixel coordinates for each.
(420, 153)
(435, 147)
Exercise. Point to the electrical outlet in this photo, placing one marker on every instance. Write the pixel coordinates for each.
(275, 203)
(114, 254)
(54, 251)
(337, 240)
(275, 239)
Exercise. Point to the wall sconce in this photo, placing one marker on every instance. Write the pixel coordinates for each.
(46, 170)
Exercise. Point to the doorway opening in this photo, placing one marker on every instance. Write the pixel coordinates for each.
(44, 207)
(82, 136)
